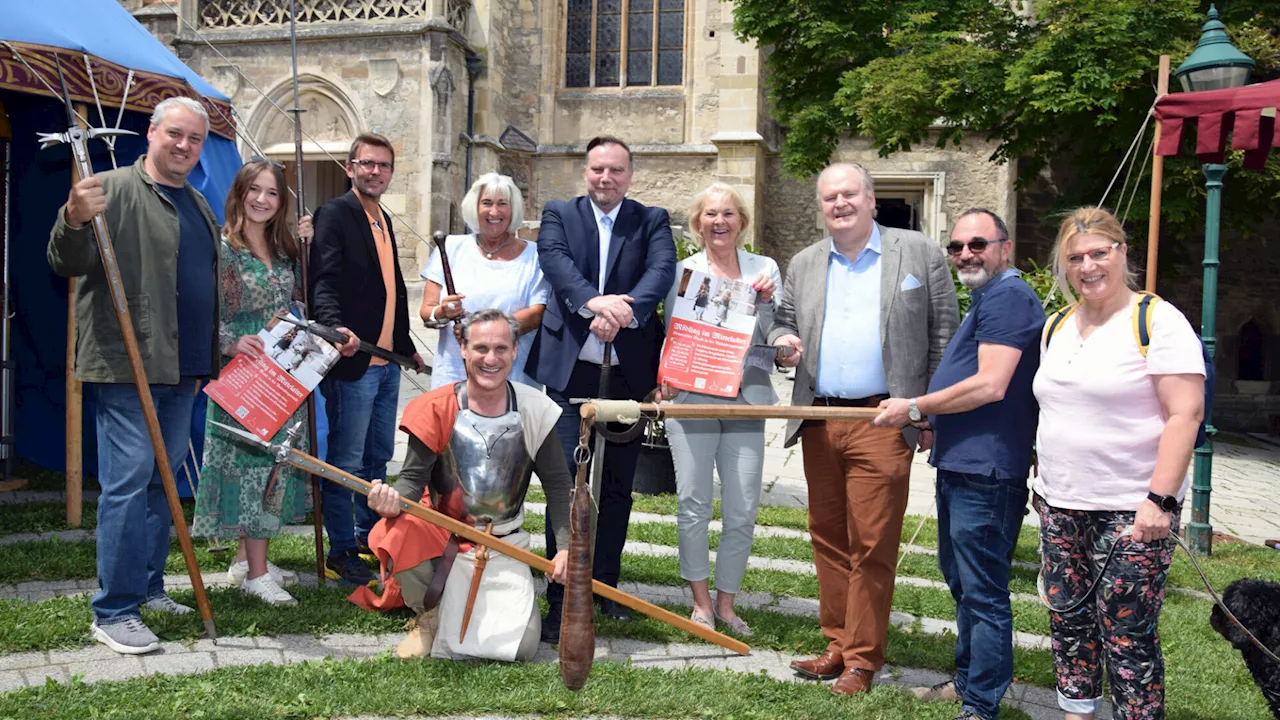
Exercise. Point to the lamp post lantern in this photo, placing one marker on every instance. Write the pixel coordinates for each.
(1214, 65)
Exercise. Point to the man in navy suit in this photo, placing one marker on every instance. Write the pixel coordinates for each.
(610, 261)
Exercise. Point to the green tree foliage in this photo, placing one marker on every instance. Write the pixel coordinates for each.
(1061, 88)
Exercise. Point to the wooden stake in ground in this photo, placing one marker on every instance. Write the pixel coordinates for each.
(1157, 182)
(78, 139)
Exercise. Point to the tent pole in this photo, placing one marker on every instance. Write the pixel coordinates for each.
(7, 445)
(1157, 183)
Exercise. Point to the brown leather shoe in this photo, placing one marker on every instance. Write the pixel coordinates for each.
(853, 681)
(824, 667)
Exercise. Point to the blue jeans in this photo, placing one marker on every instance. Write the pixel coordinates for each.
(133, 514)
(362, 436)
(978, 521)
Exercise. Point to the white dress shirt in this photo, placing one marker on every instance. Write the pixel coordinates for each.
(593, 348)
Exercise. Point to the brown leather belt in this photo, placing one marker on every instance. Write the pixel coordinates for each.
(872, 401)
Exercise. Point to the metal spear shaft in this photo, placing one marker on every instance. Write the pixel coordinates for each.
(304, 252)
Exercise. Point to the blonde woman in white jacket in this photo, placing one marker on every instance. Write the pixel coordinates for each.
(734, 447)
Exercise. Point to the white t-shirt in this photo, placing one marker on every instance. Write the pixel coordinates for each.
(509, 286)
(1100, 418)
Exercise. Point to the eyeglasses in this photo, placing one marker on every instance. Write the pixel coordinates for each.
(1097, 256)
(260, 159)
(368, 165)
(976, 245)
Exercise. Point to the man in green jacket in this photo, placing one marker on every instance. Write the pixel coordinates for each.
(166, 243)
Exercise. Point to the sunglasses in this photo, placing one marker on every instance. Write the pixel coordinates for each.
(273, 163)
(976, 245)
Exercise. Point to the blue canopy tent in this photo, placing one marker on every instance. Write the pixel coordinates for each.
(108, 58)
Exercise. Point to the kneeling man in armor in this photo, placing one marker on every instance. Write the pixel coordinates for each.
(472, 448)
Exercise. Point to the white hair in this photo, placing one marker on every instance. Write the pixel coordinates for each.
(186, 103)
(868, 184)
(499, 186)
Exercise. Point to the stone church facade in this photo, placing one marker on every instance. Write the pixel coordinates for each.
(464, 87)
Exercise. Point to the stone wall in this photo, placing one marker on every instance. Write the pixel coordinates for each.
(792, 219)
(666, 181)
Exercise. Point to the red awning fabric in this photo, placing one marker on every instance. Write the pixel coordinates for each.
(1247, 113)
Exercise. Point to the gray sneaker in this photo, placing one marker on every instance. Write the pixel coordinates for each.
(131, 637)
(166, 604)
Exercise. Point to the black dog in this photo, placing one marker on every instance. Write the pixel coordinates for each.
(1256, 604)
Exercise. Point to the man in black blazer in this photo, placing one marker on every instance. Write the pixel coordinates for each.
(357, 287)
(610, 261)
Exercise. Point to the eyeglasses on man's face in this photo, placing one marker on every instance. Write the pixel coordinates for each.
(369, 165)
(976, 245)
(1097, 255)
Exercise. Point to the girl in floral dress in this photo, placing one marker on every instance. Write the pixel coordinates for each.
(260, 275)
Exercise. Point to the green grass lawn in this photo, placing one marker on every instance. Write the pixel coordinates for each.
(385, 686)
(1206, 678)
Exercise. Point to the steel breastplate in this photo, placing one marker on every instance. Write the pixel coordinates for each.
(484, 471)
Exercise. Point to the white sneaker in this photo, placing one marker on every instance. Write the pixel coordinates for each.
(265, 588)
(239, 571)
(131, 637)
(166, 604)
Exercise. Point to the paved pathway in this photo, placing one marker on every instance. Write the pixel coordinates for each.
(98, 664)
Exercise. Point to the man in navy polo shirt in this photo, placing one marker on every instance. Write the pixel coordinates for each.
(984, 421)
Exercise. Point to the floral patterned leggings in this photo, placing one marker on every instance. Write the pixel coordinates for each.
(1119, 625)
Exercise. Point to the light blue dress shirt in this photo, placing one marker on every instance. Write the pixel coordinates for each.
(850, 363)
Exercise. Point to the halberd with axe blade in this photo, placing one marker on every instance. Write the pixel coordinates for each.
(463, 530)
(77, 138)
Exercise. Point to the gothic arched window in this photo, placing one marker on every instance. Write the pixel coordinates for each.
(624, 43)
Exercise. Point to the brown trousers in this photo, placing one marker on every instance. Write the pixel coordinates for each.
(858, 477)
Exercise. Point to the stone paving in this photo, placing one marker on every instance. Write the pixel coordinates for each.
(98, 664)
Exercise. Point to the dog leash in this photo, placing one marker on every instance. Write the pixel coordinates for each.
(1093, 587)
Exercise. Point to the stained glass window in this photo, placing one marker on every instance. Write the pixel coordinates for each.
(609, 43)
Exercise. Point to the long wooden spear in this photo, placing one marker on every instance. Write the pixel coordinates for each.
(78, 140)
(311, 464)
(304, 253)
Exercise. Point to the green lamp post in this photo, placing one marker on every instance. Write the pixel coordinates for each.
(1214, 65)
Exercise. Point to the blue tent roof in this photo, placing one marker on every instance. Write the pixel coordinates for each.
(102, 28)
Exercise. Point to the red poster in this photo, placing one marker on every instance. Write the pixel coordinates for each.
(709, 335)
(263, 393)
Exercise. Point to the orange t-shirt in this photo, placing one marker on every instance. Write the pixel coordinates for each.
(386, 256)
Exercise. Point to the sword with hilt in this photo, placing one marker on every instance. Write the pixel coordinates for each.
(77, 139)
(310, 464)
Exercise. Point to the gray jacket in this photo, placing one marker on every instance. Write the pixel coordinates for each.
(915, 324)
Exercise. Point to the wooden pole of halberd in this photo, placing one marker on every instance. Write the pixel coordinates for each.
(74, 476)
(1157, 183)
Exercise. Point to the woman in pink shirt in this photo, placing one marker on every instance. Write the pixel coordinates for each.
(1116, 433)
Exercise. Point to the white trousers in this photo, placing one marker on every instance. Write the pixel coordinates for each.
(734, 448)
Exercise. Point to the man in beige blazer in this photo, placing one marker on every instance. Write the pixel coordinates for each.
(849, 354)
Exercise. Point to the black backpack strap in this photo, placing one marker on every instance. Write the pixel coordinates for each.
(1055, 321)
(1142, 321)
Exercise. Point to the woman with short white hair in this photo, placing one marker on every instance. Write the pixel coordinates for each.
(492, 268)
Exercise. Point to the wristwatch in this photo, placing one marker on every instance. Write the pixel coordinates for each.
(1167, 503)
(913, 411)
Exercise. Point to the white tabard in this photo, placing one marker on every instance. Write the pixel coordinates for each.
(504, 609)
